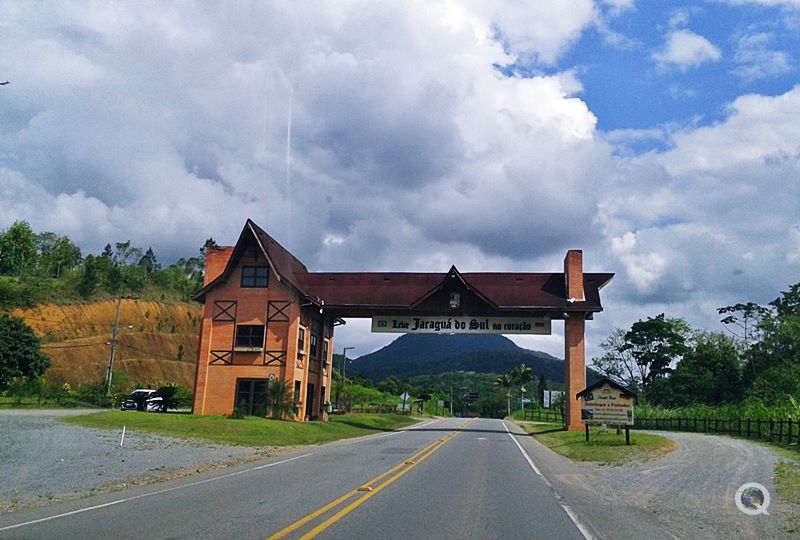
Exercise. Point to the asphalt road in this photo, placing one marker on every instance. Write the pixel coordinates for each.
(449, 478)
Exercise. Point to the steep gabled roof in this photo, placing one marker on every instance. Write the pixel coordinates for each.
(284, 265)
(359, 294)
(601, 382)
(454, 274)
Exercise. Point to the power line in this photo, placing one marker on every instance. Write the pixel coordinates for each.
(73, 346)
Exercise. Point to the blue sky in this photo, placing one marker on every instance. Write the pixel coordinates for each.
(628, 89)
(662, 138)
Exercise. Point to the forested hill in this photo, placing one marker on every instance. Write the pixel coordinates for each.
(425, 354)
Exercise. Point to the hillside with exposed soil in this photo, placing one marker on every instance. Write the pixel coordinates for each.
(157, 341)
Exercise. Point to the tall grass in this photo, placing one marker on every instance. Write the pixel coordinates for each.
(746, 410)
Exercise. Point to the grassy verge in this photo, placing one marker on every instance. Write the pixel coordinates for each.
(606, 447)
(249, 431)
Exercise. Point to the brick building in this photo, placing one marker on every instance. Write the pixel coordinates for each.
(265, 316)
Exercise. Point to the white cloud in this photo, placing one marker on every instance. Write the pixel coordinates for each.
(755, 60)
(683, 49)
(541, 30)
(407, 149)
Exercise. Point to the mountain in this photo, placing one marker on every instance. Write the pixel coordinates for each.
(424, 354)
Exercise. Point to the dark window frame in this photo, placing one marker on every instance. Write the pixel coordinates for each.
(301, 341)
(254, 277)
(249, 339)
(313, 348)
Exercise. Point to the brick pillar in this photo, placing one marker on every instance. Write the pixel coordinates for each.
(573, 274)
(575, 368)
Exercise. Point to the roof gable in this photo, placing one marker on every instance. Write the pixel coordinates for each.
(453, 281)
(283, 265)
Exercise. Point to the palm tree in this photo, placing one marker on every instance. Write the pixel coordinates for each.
(521, 375)
(506, 381)
(280, 399)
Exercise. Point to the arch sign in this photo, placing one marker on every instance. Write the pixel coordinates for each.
(266, 315)
(460, 325)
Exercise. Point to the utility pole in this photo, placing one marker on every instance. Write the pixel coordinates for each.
(113, 346)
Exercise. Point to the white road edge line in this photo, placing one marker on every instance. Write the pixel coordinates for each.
(572, 516)
(159, 492)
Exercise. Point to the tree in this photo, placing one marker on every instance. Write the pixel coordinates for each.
(149, 262)
(777, 354)
(655, 344)
(88, 282)
(280, 401)
(542, 388)
(618, 362)
(125, 254)
(506, 382)
(709, 373)
(522, 375)
(19, 351)
(56, 254)
(742, 320)
(17, 249)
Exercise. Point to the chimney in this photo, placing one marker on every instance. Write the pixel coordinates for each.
(573, 274)
(216, 260)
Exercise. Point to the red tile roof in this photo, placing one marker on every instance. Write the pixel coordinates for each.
(363, 293)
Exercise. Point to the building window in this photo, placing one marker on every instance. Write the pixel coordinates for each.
(301, 342)
(325, 351)
(251, 396)
(249, 336)
(313, 346)
(254, 276)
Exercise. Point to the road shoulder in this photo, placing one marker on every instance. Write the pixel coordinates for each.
(688, 493)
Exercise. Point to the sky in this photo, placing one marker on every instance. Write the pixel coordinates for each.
(661, 138)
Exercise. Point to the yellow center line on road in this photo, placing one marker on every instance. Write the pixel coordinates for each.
(365, 491)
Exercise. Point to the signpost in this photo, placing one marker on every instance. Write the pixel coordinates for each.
(606, 402)
(461, 325)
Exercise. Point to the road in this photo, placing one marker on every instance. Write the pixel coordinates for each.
(450, 478)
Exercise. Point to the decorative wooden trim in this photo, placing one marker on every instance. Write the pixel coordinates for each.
(298, 363)
(273, 358)
(277, 310)
(221, 358)
(225, 310)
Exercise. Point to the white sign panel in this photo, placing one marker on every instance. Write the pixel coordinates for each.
(550, 397)
(461, 325)
(607, 405)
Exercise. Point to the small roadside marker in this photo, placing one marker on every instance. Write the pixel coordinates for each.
(365, 488)
(409, 462)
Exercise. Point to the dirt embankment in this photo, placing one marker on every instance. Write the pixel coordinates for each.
(156, 341)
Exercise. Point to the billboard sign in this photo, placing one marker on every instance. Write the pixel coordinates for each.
(607, 403)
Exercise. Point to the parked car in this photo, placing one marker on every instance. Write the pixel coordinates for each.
(143, 399)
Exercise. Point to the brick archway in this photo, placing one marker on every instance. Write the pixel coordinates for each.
(257, 290)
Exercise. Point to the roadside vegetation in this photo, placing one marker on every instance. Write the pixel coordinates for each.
(604, 446)
(750, 372)
(248, 431)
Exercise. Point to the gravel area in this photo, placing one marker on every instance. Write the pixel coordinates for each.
(687, 493)
(43, 459)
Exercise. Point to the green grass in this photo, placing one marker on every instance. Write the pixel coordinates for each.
(249, 431)
(607, 447)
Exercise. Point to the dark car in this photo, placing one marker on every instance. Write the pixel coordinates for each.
(143, 399)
